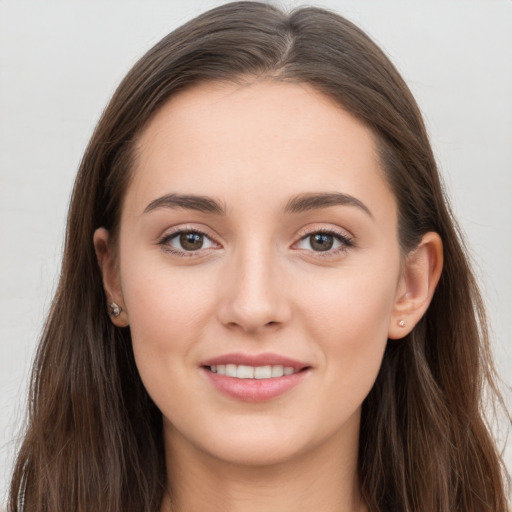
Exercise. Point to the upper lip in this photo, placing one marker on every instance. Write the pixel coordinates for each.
(265, 359)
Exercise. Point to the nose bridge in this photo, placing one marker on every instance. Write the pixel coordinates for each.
(254, 295)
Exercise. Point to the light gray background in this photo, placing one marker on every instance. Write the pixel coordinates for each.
(60, 62)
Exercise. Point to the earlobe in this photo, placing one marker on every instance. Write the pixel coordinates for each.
(420, 275)
(111, 282)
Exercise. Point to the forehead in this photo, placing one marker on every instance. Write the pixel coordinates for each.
(262, 139)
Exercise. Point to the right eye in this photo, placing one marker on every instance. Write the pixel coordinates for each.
(187, 241)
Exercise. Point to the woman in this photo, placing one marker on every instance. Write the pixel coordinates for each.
(264, 301)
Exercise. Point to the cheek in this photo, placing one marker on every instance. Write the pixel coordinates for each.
(161, 298)
(168, 310)
(349, 319)
(352, 302)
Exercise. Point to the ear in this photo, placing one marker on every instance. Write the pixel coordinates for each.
(420, 275)
(107, 262)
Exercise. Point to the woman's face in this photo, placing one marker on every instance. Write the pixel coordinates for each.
(258, 236)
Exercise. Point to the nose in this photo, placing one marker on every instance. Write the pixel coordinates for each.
(253, 293)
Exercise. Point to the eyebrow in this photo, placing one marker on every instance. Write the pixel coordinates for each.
(189, 202)
(298, 204)
(315, 201)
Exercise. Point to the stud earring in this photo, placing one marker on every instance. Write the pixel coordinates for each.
(115, 309)
(401, 323)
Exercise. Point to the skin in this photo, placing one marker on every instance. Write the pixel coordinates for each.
(258, 285)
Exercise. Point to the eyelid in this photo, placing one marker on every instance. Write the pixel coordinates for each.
(322, 228)
(343, 236)
(180, 229)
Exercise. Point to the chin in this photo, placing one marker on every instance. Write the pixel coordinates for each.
(257, 453)
(255, 444)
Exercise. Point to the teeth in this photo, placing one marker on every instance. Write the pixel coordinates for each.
(245, 372)
(230, 370)
(278, 371)
(252, 372)
(262, 372)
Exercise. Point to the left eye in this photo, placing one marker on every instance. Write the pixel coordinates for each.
(189, 241)
(323, 242)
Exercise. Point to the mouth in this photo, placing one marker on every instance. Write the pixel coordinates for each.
(242, 371)
(254, 378)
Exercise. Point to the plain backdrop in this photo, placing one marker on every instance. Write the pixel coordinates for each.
(61, 61)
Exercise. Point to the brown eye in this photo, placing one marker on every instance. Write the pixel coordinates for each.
(191, 241)
(321, 241)
(329, 242)
(187, 242)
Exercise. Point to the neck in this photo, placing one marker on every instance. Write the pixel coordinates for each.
(313, 480)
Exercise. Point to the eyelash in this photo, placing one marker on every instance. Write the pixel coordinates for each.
(164, 241)
(345, 241)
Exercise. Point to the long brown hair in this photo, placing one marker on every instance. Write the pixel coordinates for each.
(94, 437)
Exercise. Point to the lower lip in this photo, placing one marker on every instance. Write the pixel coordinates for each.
(255, 390)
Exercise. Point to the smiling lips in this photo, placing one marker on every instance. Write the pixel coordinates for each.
(243, 371)
(254, 378)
